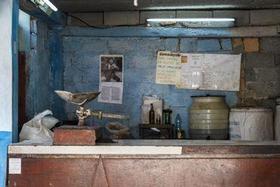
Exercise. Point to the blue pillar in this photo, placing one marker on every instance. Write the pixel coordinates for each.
(15, 24)
(5, 140)
(8, 80)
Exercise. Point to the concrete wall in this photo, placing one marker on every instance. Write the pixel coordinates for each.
(262, 74)
(243, 17)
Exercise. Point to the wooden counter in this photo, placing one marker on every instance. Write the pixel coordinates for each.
(147, 163)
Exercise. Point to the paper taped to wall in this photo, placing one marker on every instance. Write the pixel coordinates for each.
(14, 165)
(168, 67)
(211, 72)
(146, 106)
(191, 72)
(200, 71)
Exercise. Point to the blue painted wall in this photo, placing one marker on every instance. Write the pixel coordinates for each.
(56, 70)
(14, 44)
(5, 140)
(68, 58)
(39, 72)
(81, 72)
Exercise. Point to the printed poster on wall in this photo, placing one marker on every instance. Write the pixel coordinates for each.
(111, 71)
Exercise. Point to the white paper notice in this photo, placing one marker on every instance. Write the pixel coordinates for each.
(111, 79)
(210, 72)
(221, 72)
(191, 75)
(14, 165)
(168, 67)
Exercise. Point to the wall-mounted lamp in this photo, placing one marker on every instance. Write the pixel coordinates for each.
(45, 5)
(190, 22)
(135, 3)
(50, 5)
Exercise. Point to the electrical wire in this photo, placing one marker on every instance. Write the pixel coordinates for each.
(101, 27)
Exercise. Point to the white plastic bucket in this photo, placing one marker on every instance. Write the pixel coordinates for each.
(253, 124)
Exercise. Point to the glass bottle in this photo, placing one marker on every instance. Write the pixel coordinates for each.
(178, 126)
(152, 115)
(167, 116)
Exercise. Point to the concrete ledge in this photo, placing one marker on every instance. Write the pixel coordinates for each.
(86, 150)
(134, 31)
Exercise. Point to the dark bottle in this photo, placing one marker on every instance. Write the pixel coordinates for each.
(152, 115)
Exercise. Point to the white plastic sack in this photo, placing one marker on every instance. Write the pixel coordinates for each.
(37, 130)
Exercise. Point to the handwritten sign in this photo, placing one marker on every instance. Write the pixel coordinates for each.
(168, 68)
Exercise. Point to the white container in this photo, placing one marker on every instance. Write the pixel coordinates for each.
(253, 124)
(277, 123)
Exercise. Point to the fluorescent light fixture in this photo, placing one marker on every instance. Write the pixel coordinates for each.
(135, 3)
(44, 5)
(191, 22)
(50, 5)
(191, 7)
(189, 19)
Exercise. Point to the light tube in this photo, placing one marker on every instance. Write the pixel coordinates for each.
(190, 20)
(50, 5)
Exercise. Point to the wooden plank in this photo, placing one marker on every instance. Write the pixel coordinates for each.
(185, 142)
(142, 172)
(193, 172)
(233, 149)
(59, 172)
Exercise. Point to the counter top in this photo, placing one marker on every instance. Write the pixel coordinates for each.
(186, 148)
(166, 142)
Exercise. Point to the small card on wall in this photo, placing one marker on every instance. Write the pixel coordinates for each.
(14, 165)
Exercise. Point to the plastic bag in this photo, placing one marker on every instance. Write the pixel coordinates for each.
(37, 130)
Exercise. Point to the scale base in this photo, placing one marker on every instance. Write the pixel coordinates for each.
(75, 135)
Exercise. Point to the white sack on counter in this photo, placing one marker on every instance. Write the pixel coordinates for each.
(37, 130)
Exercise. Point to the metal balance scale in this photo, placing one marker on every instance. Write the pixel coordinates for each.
(81, 134)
